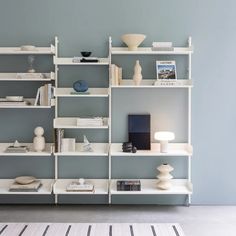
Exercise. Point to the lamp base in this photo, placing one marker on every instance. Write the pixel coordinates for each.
(164, 146)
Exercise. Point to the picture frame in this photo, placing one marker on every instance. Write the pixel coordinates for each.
(166, 70)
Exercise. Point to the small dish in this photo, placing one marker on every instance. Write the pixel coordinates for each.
(25, 179)
(28, 48)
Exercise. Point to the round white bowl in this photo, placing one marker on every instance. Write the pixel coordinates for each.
(133, 40)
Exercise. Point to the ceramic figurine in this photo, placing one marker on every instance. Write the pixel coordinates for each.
(80, 86)
(137, 77)
(164, 177)
(31, 62)
(39, 140)
(87, 145)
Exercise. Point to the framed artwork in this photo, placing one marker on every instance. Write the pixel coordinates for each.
(166, 70)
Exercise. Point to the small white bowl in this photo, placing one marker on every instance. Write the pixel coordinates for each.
(28, 48)
(133, 40)
(14, 98)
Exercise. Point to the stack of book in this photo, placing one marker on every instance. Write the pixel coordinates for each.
(44, 95)
(85, 59)
(16, 147)
(162, 46)
(58, 136)
(116, 75)
(75, 186)
(31, 187)
(33, 75)
(128, 185)
(5, 102)
(94, 121)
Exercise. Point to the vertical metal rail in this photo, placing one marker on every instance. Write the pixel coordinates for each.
(56, 111)
(189, 113)
(110, 133)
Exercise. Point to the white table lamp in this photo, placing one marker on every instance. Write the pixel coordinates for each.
(164, 137)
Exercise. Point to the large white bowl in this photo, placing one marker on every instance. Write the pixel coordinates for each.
(133, 40)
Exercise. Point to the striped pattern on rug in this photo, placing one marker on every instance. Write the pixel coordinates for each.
(82, 229)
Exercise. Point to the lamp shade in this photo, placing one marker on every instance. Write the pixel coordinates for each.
(164, 136)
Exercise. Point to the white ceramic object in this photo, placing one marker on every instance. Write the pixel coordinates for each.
(39, 140)
(14, 98)
(28, 48)
(81, 181)
(164, 178)
(133, 40)
(164, 137)
(137, 77)
(25, 179)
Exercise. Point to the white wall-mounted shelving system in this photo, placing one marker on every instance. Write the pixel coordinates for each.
(180, 186)
(57, 186)
(47, 184)
(101, 186)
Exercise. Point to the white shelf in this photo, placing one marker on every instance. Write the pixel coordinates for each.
(31, 152)
(99, 149)
(18, 51)
(149, 187)
(93, 92)
(31, 106)
(149, 51)
(69, 61)
(175, 149)
(71, 123)
(100, 186)
(26, 76)
(46, 188)
(149, 83)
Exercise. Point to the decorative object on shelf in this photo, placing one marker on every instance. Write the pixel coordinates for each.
(128, 147)
(87, 145)
(28, 48)
(164, 178)
(39, 140)
(166, 70)
(67, 145)
(44, 95)
(25, 179)
(80, 186)
(128, 185)
(80, 86)
(16, 147)
(139, 130)
(25, 184)
(58, 136)
(164, 137)
(116, 75)
(137, 77)
(162, 46)
(31, 59)
(133, 40)
(6, 103)
(86, 53)
(14, 98)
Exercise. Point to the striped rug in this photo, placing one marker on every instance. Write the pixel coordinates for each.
(81, 229)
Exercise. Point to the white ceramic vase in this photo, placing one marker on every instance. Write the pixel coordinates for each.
(39, 140)
(137, 77)
(164, 178)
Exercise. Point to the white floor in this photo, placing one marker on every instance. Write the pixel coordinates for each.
(195, 220)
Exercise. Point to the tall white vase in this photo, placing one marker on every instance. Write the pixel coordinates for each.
(39, 140)
(164, 177)
(137, 77)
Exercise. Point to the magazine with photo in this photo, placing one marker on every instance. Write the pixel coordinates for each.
(166, 70)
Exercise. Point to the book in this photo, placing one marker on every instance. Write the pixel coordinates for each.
(116, 75)
(75, 186)
(32, 187)
(79, 93)
(128, 185)
(94, 121)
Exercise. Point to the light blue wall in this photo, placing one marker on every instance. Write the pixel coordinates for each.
(87, 24)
